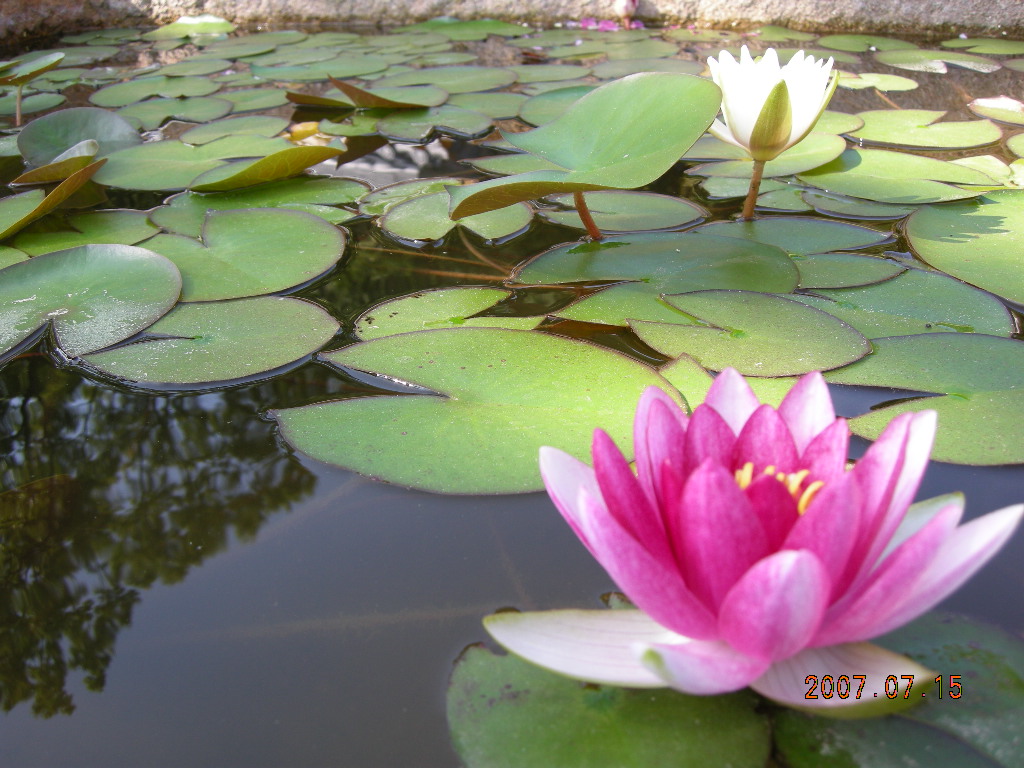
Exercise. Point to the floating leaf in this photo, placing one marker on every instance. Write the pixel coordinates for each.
(813, 152)
(117, 226)
(253, 99)
(123, 94)
(28, 69)
(545, 107)
(340, 66)
(861, 43)
(380, 200)
(251, 252)
(997, 45)
(221, 342)
(91, 296)
(438, 308)
(543, 73)
(852, 208)
(453, 79)
(755, 333)
(616, 68)
(253, 125)
(194, 67)
(979, 241)
(51, 135)
(857, 81)
(18, 211)
(425, 218)
(620, 211)
(471, 29)
(153, 113)
(501, 395)
(506, 713)
(37, 102)
(799, 235)
(408, 97)
(191, 26)
(419, 125)
(274, 167)
(497, 106)
(978, 377)
(65, 164)
(923, 60)
(843, 270)
(917, 128)
(1001, 108)
(508, 164)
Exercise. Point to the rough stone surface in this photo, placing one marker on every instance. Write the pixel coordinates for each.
(27, 20)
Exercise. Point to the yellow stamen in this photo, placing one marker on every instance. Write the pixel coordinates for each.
(808, 495)
(792, 481)
(744, 475)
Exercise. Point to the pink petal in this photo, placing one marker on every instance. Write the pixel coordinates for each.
(775, 609)
(702, 667)
(807, 409)
(864, 611)
(653, 584)
(598, 646)
(716, 533)
(564, 476)
(708, 436)
(765, 440)
(961, 556)
(659, 432)
(732, 398)
(775, 507)
(787, 681)
(825, 457)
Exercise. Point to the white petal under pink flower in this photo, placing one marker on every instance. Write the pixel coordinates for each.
(751, 100)
(754, 554)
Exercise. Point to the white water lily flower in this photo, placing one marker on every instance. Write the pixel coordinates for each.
(767, 108)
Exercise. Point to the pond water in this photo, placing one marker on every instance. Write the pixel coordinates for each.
(200, 593)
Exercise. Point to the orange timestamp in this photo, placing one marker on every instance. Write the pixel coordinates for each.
(842, 687)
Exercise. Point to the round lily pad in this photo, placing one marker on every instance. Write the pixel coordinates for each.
(857, 81)
(545, 107)
(91, 296)
(1001, 108)
(861, 43)
(814, 151)
(920, 129)
(996, 45)
(152, 113)
(615, 68)
(926, 60)
(123, 94)
(419, 125)
(799, 235)
(457, 79)
(221, 342)
(627, 211)
(843, 270)
(123, 227)
(497, 106)
(253, 125)
(425, 218)
(48, 136)
(283, 164)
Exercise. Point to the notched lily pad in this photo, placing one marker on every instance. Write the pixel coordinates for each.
(920, 129)
(924, 60)
(425, 218)
(627, 211)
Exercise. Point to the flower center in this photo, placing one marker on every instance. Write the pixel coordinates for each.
(794, 483)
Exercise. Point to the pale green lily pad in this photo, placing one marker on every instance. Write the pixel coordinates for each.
(919, 129)
(786, 200)
(862, 43)
(640, 49)
(914, 302)
(49, 136)
(251, 252)
(90, 297)
(37, 102)
(979, 380)
(453, 79)
(123, 94)
(615, 68)
(622, 211)
(380, 200)
(843, 270)
(420, 125)
(64, 165)
(425, 218)
(1001, 108)
(339, 67)
(184, 213)
(978, 241)
(252, 125)
(254, 99)
(506, 713)
(813, 152)
(837, 122)
(799, 235)
(581, 49)
(221, 342)
(274, 167)
(545, 107)
(501, 394)
(194, 67)
(471, 29)
(851, 208)
(923, 60)
(1015, 64)
(172, 165)
(356, 124)
(438, 308)
(543, 73)
(894, 177)
(708, 147)
(1016, 144)
(153, 113)
(75, 56)
(508, 164)
(536, 89)
(1002, 174)
(857, 81)
(18, 211)
(997, 45)
(443, 59)
(190, 26)
(775, 34)
(755, 333)
(10, 256)
(695, 35)
(497, 106)
(122, 227)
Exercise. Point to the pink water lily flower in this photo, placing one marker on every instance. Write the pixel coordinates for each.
(755, 555)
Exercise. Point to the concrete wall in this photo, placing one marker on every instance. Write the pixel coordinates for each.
(23, 20)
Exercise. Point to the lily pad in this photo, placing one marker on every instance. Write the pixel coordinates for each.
(27, 69)
(547, 106)
(339, 67)
(755, 333)
(814, 151)
(914, 302)
(253, 125)
(501, 394)
(221, 342)
(506, 713)
(851, 208)
(997, 45)
(1001, 108)
(51, 135)
(153, 113)
(919, 129)
(254, 99)
(924, 60)
(510, 163)
(439, 308)
(464, 79)
(613, 69)
(37, 102)
(857, 81)
(799, 235)
(469, 29)
(843, 270)
(274, 167)
(861, 43)
(91, 296)
(194, 67)
(190, 26)
(621, 211)
(382, 199)
(251, 252)
(18, 211)
(497, 106)
(64, 165)
(977, 377)
(419, 125)
(425, 218)
(978, 241)
(123, 94)
(122, 227)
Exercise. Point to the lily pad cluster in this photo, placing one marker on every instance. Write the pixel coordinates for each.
(886, 250)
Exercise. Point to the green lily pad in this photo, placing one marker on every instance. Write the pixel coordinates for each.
(497, 106)
(861, 43)
(501, 394)
(621, 211)
(419, 125)
(543, 73)
(1001, 108)
(799, 235)
(116, 226)
(837, 122)
(978, 241)
(1016, 144)
(695, 35)
(380, 200)
(755, 333)
(64, 165)
(453, 79)
(407, 97)
(252, 125)
(49, 136)
(851, 208)
(254, 99)
(425, 218)
(18, 211)
(251, 252)
(924, 60)
(917, 128)
(857, 81)
(506, 713)
(997, 45)
(439, 308)
(443, 59)
(123, 94)
(339, 67)
(153, 113)
(774, 34)
(843, 270)
(510, 163)
(602, 143)
(10, 256)
(190, 26)
(195, 67)
(914, 302)
(184, 213)
(640, 49)
(27, 69)
(616, 68)
(1002, 174)
(462, 30)
(221, 342)
(74, 56)
(813, 152)
(894, 177)
(978, 380)
(547, 106)
(274, 167)
(90, 297)
(37, 102)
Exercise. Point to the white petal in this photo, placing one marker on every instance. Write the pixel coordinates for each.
(596, 646)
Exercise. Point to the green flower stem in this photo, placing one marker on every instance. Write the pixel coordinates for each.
(755, 184)
(588, 220)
